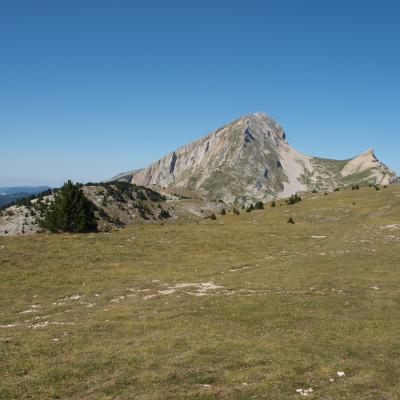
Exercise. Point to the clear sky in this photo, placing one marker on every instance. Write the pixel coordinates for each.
(90, 88)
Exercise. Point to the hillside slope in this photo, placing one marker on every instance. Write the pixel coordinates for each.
(250, 158)
(116, 204)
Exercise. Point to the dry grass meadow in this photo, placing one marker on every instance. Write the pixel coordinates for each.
(244, 307)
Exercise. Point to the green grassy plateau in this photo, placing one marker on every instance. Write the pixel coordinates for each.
(244, 307)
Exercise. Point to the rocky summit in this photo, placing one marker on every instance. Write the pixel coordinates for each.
(250, 159)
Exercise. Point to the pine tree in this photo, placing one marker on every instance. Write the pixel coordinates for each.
(70, 211)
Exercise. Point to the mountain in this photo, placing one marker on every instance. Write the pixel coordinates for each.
(251, 159)
(10, 194)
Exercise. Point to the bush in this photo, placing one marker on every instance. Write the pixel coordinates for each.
(290, 221)
(337, 190)
(236, 212)
(223, 212)
(213, 217)
(314, 191)
(273, 204)
(69, 212)
(259, 205)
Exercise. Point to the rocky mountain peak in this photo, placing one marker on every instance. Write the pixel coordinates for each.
(250, 158)
(264, 125)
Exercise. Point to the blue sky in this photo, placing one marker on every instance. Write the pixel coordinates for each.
(90, 88)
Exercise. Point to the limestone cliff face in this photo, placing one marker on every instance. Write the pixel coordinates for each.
(250, 158)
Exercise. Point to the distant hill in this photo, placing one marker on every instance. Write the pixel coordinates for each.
(11, 194)
(23, 189)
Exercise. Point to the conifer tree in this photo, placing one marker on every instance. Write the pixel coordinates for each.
(259, 205)
(70, 211)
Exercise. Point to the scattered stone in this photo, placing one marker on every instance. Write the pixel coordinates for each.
(305, 392)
